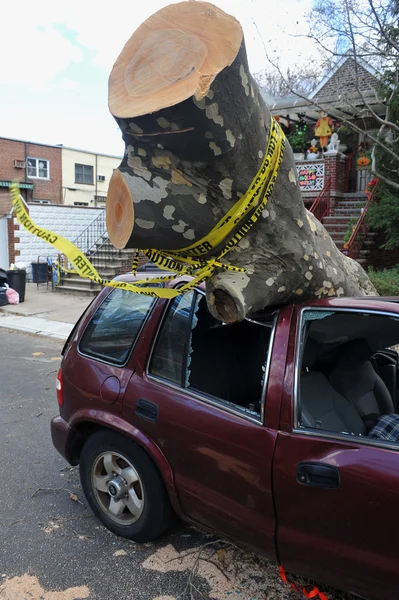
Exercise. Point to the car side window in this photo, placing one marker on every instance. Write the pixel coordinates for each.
(115, 326)
(347, 378)
(168, 354)
(224, 362)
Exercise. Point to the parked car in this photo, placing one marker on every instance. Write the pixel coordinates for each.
(263, 431)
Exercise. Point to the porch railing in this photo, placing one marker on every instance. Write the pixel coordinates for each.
(322, 205)
(360, 230)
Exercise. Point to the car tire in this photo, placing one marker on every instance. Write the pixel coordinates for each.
(124, 488)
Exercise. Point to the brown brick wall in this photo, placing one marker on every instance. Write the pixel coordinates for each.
(51, 189)
(345, 79)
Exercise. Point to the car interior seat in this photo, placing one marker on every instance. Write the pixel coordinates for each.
(355, 378)
(322, 407)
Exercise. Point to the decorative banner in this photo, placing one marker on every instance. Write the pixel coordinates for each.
(363, 160)
(311, 176)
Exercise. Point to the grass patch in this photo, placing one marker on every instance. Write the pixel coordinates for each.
(386, 282)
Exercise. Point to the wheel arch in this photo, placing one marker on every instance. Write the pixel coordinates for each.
(84, 425)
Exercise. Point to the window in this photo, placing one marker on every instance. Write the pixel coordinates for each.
(348, 376)
(81, 204)
(168, 356)
(38, 168)
(41, 201)
(84, 174)
(199, 353)
(115, 326)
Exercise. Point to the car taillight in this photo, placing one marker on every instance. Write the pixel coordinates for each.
(58, 387)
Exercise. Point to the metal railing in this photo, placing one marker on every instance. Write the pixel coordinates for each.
(322, 205)
(95, 243)
(361, 228)
(93, 233)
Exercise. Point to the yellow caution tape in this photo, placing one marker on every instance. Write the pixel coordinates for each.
(254, 199)
(192, 260)
(82, 265)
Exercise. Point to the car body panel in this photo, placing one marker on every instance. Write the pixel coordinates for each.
(347, 536)
(230, 473)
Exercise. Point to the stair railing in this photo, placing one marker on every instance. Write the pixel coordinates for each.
(94, 240)
(93, 233)
(359, 233)
(322, 205)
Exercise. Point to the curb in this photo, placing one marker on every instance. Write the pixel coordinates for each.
(34, 325)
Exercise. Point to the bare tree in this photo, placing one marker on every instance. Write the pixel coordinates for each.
(368, 30)
(303, 79)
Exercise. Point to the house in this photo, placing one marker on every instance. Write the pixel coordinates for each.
(50, 175)
(85, 176)
(334, 182)
(37, 167)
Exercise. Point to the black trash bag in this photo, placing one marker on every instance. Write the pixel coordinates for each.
(3, 277)
(3, 297)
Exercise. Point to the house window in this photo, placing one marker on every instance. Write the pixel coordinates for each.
(81, 204)
(83, 174)
(38, 168)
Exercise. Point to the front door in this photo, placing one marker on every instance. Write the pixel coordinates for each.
(337, 492)
(203, 395)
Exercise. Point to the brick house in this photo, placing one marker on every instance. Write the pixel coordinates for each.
(38, 169)
(335, 180)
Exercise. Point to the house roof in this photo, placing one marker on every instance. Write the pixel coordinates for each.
(336, 93)
(344, 59)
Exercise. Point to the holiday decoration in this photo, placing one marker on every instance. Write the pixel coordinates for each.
(323, 129)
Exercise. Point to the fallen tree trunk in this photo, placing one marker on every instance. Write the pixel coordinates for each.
(196, 130)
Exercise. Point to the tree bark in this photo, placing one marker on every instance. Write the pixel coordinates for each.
(196, 129)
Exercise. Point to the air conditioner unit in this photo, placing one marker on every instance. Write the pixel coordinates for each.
(19, 164)
(100, 177)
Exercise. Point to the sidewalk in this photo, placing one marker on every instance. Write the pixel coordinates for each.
(44, 312)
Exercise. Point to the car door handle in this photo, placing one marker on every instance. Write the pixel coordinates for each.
(318, 475)
(146, 410)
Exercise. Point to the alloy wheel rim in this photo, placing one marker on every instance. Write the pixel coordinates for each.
(117, 487)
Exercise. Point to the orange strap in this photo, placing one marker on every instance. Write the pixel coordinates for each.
(313, 593)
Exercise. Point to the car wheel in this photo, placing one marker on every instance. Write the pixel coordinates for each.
(123, 487)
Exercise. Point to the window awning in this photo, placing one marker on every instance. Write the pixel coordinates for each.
(22, 185)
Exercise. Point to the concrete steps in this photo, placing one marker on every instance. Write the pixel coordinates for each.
(107, 261)
(338, 223)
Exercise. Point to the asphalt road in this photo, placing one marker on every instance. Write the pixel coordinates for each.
(49, 541)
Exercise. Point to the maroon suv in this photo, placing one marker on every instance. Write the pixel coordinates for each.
(280, 431)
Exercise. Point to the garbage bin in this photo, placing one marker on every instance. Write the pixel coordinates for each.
(17, 281)
(39, 272)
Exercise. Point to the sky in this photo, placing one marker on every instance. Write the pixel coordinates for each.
(56, 56)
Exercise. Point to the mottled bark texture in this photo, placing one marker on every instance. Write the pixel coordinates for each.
(188, 162)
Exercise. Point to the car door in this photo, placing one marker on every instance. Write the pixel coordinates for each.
(337, 495)
(221, 454)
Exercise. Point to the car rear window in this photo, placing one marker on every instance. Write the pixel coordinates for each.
(115, 326)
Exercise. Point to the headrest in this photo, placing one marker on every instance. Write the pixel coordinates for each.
(353, 354)
(310, 353)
